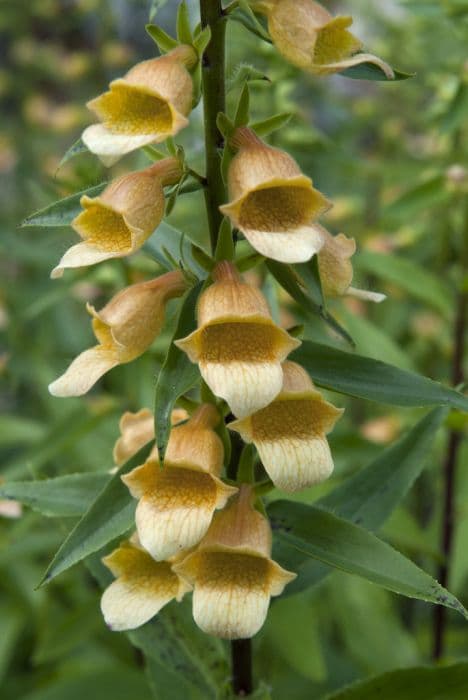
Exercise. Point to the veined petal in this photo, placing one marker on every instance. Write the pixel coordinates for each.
(84, 371)
(110, 147)
(80, 255)
(294, 246)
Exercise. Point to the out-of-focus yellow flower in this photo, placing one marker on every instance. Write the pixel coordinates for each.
(142, 587)
(176, 503)
(290, 433)
(309, 37)
(136, 430)
(238, 347)
(124, 328)
(119, 221)
(232, 571)
(150, 103)
(272, 202)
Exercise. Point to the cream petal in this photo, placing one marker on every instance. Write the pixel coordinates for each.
(126, 605)
(232, 613)
(295, 463)
(356, 60)
(84, 372)
(80, 255)
(246, 386)
(111, 147)
(365, 295)
(298, 245)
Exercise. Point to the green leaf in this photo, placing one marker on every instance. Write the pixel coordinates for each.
(74, 150)
(225, 245)
(457, 111)
(184, 32)
(111, 514)
(155, 7)
(118, 682)
(177, 374)
(164, 42)
(62, 496)
(411, 277)
(244, 15)
(267, 126)
(370, 496)
(243, 107)
(62, 212)
(168, 243)
(365, 378)
(225, 125)
(423, 683)
(245, 73)
(17, 430)
(202, 39)
(370, 71)
(422, 197)
(348, 547)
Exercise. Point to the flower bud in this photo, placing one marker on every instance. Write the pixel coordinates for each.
(238, 347)
(290, 433)
(142, 587)
(149, 104)
(118, 222)
(124, 328)
(272, 202)
(176, 503)
(136, 430)
(232, 572)
(309, 37)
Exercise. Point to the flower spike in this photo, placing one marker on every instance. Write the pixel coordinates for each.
(309, 37)
(272, 202)
(124, 328)
(118, 222)
(149, 104)
(238, 347)
(232, 572)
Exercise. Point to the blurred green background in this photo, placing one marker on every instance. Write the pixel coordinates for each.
(393, 158)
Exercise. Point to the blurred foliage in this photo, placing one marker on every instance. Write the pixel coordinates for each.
(393, 158)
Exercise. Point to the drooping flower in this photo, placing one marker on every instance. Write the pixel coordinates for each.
(176, 503)
(336, 269)
(290, 433)
(238, 347)
(272, 202)
(149, 104)
(142, 587)
(118, 222)
(124, 328)
(232, 572)
(136, 430)
(309, 37)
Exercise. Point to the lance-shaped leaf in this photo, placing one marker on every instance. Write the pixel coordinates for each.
(74, 150)
(348, 547)
(177, 374)
(370, 379)
(371, 71)
(168, 244)
(62, 212)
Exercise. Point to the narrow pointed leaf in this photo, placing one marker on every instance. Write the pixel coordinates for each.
(168, 240)
(74, 150)
(370, 71)
(161, 38)
(267, 126)
(62, 212)
(184, 32)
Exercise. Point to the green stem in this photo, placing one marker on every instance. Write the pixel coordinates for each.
(214, 99)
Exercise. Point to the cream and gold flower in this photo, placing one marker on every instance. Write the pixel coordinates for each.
(142, 587)
(238, 347)
(149, 104)
(119, 221)
(136, 430)
(176, 503)
(124, 328)
(290, 433)
(232, 572)
(309, 37)
(272, 202)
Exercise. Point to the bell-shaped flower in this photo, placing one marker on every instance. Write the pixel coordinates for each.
(136, 430)
(142, 587)
(336, 269)
(232, 572)
(290, 433)
(149, 104)
(176, 503)
(124, 328)
(118, 221)
(271, 201)
(238, 347)
(309, 37)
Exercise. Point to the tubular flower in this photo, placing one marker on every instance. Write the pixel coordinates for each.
(136, 430)
(290, 433)
(238, 347)
(232, 572)
(336, 269)
(272, 202)
(124, 328)
(119, 221)
(309, 37)
(176, 503)
(149, 104)
(142, 587)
